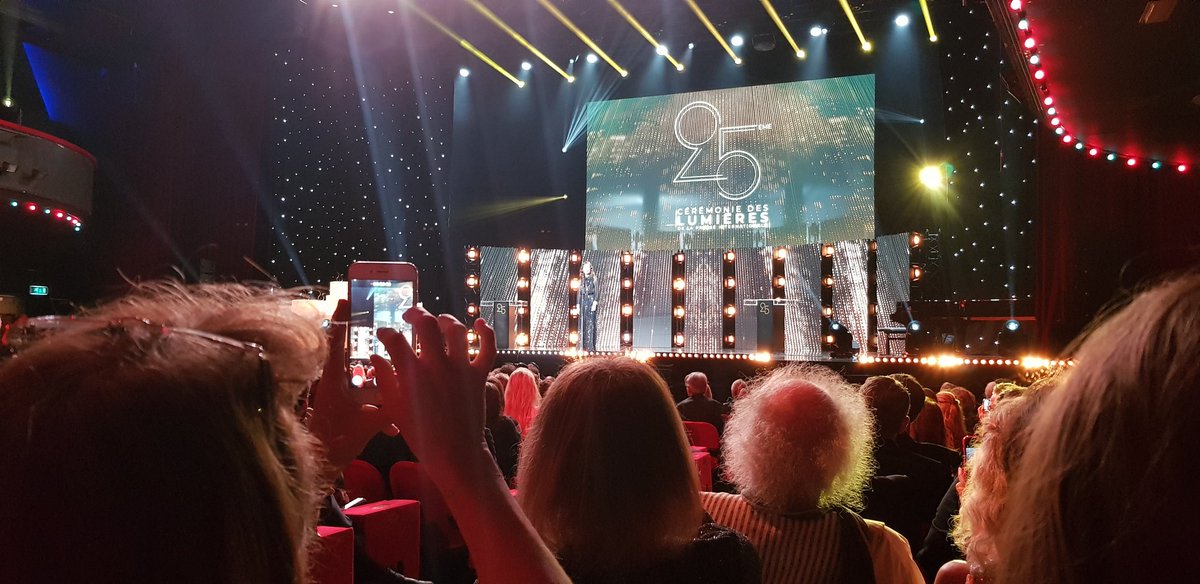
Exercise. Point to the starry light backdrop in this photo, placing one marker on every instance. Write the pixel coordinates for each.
(358, 164)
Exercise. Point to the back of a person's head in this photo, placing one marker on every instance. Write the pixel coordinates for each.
(522, 399)
(696, 384)
(605, 474)
(493, 401)
(916, 393)
(1106, 488)
(800, 440)
(930, 427)
(737, 389)
(888, 400)
(999, 444)
(952, 417)
(508, 368)
(143, 452)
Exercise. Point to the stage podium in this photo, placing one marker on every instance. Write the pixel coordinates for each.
(770, 323)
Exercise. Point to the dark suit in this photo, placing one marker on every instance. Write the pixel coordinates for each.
(907, 506)
(699, 408)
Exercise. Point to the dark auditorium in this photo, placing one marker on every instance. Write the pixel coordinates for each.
(599, 291)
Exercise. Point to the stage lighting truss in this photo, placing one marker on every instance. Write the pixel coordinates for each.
(488, 14)
(729, 300)
(659, 48)
(678, 299)
(862, 40)
(562, 18)
(770, 8)
(712, 29)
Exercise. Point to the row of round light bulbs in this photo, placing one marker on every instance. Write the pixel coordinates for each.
(55, 213)
(1038, 73)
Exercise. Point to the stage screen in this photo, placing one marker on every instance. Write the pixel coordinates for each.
(768, 165)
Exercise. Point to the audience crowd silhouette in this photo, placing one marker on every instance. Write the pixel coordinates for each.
(200, 434)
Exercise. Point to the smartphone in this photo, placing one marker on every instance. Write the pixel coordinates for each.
(380, 294)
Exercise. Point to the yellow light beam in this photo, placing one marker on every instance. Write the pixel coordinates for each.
(462, 42)
(709, 25)
(866, 44)
(800, 53)
(582, 36)
(928, 21)
(645, 34)
(480, 8)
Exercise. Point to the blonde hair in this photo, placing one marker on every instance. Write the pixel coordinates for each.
(606, 475)
(522, 398)
(952, 418)
(141, 451)
(1105, 491)
(801, 438)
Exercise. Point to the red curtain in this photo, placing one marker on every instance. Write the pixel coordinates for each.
(1106, 228)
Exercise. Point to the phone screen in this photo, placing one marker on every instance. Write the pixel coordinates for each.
(376, 304)
(970, 452)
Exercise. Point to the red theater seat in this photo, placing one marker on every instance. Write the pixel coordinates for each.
(703, 434)
(333, 556)
(705, 463)
(391, 532)
(363, 480)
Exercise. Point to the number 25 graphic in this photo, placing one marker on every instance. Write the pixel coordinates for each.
(723, 155)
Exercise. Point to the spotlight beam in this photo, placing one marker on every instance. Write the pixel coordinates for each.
(866, 45)
(641, 29)
(464, 43)
(928, 20)
(713, 29)
(556, 13)
(488, 14)
(800, 53)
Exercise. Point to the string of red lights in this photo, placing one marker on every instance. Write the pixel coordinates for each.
(57, 214)
(1037, 70)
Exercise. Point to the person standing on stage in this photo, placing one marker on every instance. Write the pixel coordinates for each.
(587, 307)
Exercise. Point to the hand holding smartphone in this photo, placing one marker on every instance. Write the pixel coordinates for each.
(380, 294)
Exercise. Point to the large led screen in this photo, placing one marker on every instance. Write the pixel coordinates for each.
(783, 164)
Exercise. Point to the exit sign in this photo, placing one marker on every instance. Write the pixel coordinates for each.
(39, 290)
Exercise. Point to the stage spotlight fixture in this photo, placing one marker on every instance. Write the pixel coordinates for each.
(562, 18)
(841, 341)
(737, 40)
(933, 177)
(592, 58)
(816, 31)
(1012, 325)
(1023, 24)
(770, 8)
(1034, 59)
(462, 42)
(1011, 341)
(8, 102)
(480, 8)
(526, 65)
(1156, 165)
(523, 256)
(933, 37)
(691, 45)
(902, 20)
(1111, 157)
(862, 40)
(464, 72)
(712, 29)
(827, 250)
(659, 48)
(781, 253)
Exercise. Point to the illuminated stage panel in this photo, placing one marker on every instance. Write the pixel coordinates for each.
(892, 275)
(783, 164)
(497, 279)
(850, 288)
(703, 304)
(607, 265)
(802, 321)
(548, 297)
(652, 300)
(753, 273)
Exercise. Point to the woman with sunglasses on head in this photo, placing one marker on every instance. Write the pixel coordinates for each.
(159, 438)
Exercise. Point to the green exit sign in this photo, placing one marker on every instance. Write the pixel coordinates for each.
(39, 290)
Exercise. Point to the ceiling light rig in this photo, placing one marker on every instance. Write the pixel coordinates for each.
(488, 14)
(556, 13)
(462, 43)
(862, 40)
(659, 48)
(770, 8)
(933, 37)
(711, 29)
(1052, 111)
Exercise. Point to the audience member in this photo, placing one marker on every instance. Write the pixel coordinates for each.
(1106, 488)
(952, 418)
(501, 380)
(736, 390)
(906, 504)
(951, 459)
(966, 402)
(505, 434)
(521, 399)
(985, 490)
(160, 439)
(544, 385)
(699, 405)
(798, 448)
(929, 427)
(606, 476)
